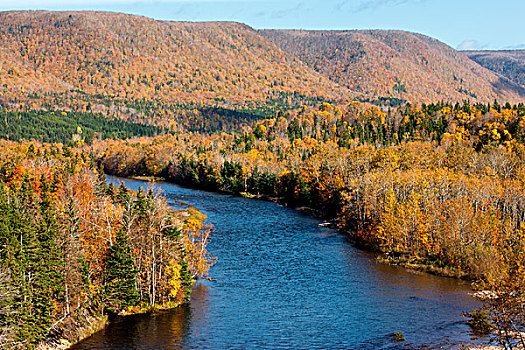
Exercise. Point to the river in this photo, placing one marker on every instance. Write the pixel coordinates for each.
(283, 281)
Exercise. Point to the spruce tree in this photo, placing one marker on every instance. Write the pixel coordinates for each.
(122, 195)
(185, 275)
(121, 275)
(45, 259)
(101, 186)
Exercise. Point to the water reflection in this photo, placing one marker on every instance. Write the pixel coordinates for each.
(282, 281)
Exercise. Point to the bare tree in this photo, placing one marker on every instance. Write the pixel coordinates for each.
(7, 312)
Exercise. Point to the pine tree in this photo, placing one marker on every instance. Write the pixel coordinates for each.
(123, 195)
(121, 275)
(48, 281)
(141, 204)
(110, 191)
(185, 274)
(101, 186)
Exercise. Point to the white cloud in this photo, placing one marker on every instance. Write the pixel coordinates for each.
(471, 44)
(365, 5)
(515, 47)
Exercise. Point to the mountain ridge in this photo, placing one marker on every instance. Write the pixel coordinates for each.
(123, 55)
(394, 58)
(63, 59)
(508, 63)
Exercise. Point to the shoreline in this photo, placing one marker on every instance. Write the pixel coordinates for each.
(413, 264)
(73, 330)
(77, 328)
(408, 263)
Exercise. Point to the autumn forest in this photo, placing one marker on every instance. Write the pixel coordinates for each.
(410, 149)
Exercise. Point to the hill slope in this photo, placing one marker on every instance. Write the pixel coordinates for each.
(192, 75)
(508, 63)
(135, 57)
(379, 63)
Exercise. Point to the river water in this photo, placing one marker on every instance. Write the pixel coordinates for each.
(283, 281)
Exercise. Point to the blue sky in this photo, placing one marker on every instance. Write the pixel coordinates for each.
(464, 24)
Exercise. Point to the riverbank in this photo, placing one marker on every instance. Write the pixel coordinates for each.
(273, 258)
(408, 262)
(73, 329)
(419, 265)
(493, 347)
(85, 323)
(148, 178)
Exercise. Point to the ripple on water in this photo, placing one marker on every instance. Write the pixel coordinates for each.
(282, 281)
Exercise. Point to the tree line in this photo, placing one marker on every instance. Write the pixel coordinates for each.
(67, 127)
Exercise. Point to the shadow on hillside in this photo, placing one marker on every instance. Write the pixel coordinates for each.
(506, 85)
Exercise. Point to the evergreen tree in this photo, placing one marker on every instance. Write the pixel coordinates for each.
(110, 191)
(185, 274)
(121, 275)
(46, 260)
(101, 186)
(123, 195)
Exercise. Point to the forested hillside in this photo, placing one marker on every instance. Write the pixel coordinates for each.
(115, 63)
(388, 64)
(68, 127)
(220, 75)
(510, 64)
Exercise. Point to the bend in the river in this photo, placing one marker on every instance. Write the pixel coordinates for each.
(282, 281)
